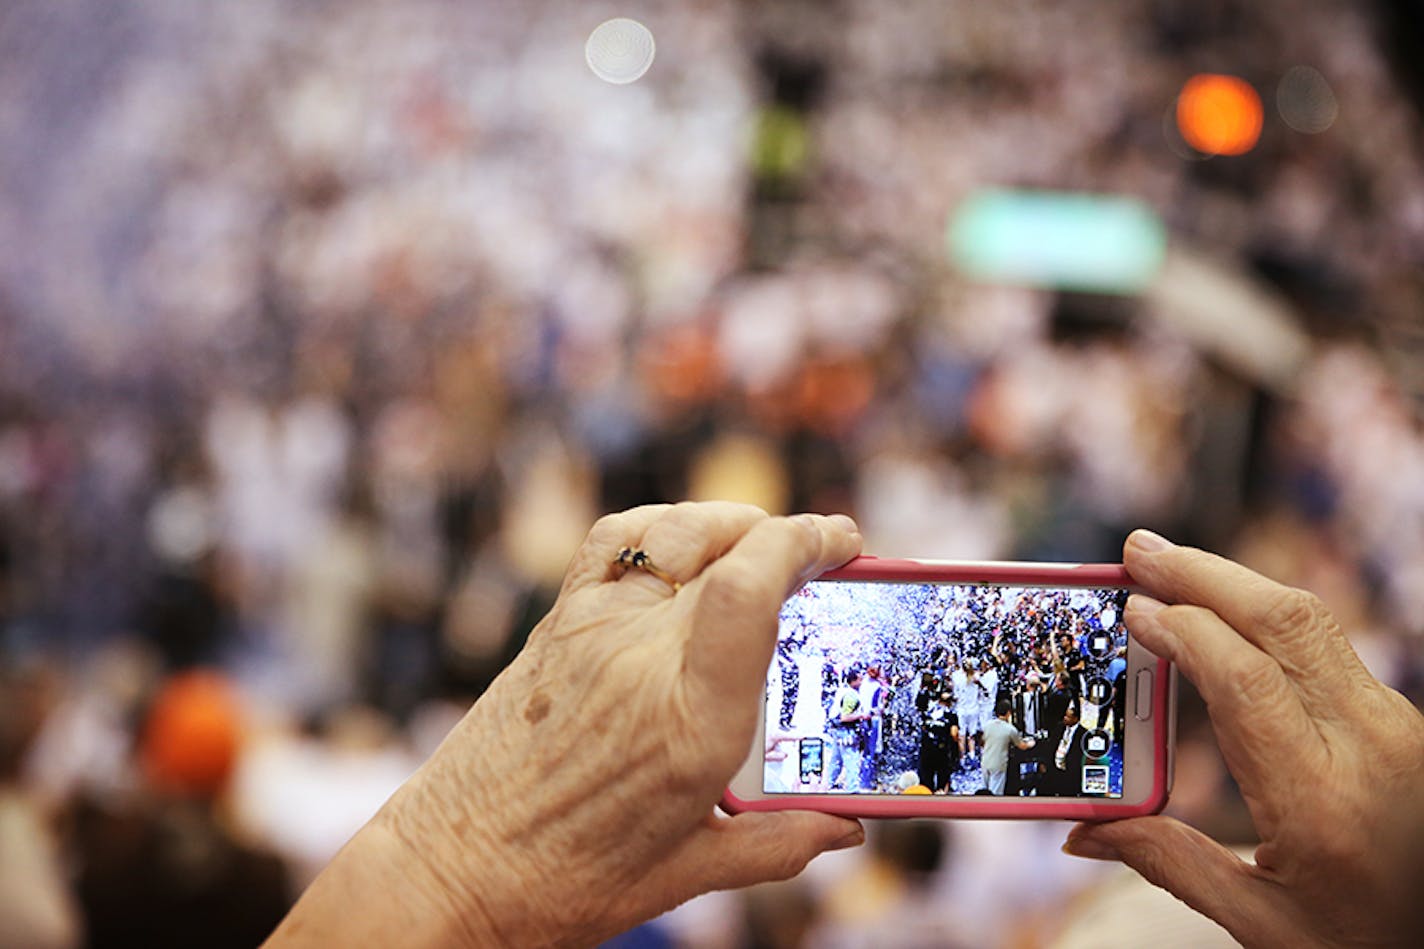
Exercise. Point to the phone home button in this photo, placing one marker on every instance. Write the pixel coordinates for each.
(1142, 705)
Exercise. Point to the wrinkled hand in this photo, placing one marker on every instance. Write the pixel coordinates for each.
(1330, 761)
(576, 798)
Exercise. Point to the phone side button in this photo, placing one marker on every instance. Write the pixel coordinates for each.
(1142, 705)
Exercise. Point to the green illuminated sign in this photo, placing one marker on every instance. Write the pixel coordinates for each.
(1062, 240)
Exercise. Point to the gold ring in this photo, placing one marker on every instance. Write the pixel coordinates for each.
(628, 557)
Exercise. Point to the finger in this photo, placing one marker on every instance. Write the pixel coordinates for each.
(690, 535)
(1192, 867)
(733, 852)
(1262, 726)
(1292, 626)
(609, 534)
(739, 597)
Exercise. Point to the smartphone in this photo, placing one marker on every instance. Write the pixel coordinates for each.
(917, 688)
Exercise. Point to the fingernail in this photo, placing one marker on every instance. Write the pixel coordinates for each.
(1090, 848)
(1148, 542)
(844, 522)
(853, 839)
(1142, 603)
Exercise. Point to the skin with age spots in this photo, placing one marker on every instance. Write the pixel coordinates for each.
(521, 830)
(1329, 760)
(537, 709)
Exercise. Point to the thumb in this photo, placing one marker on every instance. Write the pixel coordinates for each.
(755, 847)
(740, 595)
(1191, 866)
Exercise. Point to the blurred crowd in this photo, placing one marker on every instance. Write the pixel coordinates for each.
(327, 328)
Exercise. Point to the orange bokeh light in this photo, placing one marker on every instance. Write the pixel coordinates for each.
(1219, 115)
(191, 740)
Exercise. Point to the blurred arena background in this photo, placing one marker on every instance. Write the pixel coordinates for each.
(327, 328)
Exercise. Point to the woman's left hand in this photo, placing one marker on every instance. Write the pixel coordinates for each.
(576, 798)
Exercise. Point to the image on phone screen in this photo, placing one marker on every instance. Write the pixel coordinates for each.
(812, 760)
(949, 688)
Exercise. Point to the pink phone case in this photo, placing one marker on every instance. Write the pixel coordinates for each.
(1003, 808)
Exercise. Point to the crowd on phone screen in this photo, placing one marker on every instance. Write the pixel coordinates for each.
(1003, 702)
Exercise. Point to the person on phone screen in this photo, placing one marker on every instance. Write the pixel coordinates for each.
(939, 744)
(1004, 657)
(1068, 757)
(1069, 660)
(969, 696)
(847, 714)
(1030, 705)
(566, 807)
(989, 690)
(1055, 705)
(830, 685)
(790, 674)
(874, 695)
(999, 734)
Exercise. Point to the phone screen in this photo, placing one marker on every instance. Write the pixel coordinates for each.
(949, 688)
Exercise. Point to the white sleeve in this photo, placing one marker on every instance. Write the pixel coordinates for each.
(1067, 742)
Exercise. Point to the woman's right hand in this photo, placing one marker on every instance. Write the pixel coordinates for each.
(1329, 760)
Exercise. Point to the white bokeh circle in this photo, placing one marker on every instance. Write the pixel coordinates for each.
(620, 50)
(1306, 101)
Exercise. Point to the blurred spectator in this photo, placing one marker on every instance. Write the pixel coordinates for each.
(161, 868)
(37, 911)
